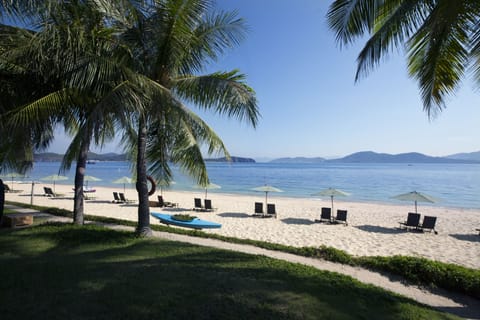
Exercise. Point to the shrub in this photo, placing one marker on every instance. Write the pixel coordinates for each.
(420, 270)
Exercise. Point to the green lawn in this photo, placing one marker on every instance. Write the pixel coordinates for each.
(70, 272)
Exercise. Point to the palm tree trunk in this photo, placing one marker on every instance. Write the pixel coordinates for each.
(78, 211)
(143, 227)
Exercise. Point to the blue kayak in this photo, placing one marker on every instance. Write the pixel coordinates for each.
(194, 224)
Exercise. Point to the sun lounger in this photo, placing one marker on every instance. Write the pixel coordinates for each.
(428, 224)
(7, 189)
(341, 217)
(197, 204)
(162, 203)
(208, 205)
(413, 221)
(49, 192)
(116, 198)
(325, 215)
(258, 209)
(271, 210)
(123, 199)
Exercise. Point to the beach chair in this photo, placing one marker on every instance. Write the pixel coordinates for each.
(197, 204)
(7, 189)
(413, 221)
(123, 199)
(341, 217)
(208, 205)
(325, 215)
(258, 209)
(49, 192)
(429, 224)
(116, 198)
(271, 212)
(162, 203)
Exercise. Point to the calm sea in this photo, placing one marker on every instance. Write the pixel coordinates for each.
(455, 185)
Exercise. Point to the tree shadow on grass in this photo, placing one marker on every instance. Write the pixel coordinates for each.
(116, 276)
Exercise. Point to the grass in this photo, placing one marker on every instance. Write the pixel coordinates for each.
(62, 271)
(417, 270)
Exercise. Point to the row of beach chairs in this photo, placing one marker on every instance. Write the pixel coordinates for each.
(326, 216)
(199, 207)
(413, 223)
(271, 210)
(119, 197)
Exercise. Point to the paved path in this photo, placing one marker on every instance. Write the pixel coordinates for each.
(443, 300)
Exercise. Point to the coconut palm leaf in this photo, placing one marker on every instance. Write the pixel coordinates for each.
(441, 38)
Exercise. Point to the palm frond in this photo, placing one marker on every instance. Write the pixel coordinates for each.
(225, 92)
(395, 22)
(351, 19)
(438, 55)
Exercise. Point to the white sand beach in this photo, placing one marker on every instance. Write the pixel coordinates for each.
(372, 227)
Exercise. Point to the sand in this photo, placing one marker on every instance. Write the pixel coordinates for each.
(372, 227)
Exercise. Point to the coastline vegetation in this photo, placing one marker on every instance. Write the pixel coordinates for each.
(420, 271)
(121, 276)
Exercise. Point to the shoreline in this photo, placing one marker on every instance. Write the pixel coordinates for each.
(372, 227)
(248, 193)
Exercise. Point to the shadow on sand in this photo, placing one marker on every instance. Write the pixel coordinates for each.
(378, 229)
(234, 215)
(297, 221)
(466, 237)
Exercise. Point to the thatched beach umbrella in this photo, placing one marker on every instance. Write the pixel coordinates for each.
(209, 186)
(12, 175)
(331, 192)
(90, 178)
(54, 177)
(123, 180)
(163, 184)
(266, 189)
(416, 197)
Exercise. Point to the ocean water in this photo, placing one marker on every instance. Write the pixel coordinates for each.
(455, 185)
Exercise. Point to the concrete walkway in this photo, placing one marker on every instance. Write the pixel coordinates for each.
(458, 304)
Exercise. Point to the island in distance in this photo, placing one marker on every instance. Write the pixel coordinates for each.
(373, 157)
(358, 157)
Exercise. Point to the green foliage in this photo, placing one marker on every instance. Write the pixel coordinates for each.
(420, 270)
(183, 217)
(118, 276)
(440, 43)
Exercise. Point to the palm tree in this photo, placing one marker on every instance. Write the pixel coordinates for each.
(441, 37)
(171, 42)
(72, 36)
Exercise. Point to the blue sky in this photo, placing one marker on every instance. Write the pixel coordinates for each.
(309, 103)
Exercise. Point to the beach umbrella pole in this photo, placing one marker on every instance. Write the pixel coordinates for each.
(332, 203)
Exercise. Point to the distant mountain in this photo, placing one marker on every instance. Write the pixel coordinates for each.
(472, 156)
(233, 159)
(412, 157)
(298, 160)
(47, 157)
(51, 157)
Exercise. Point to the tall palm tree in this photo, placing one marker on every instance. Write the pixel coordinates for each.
(171, 42)
(441, 37)
(71, 36)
